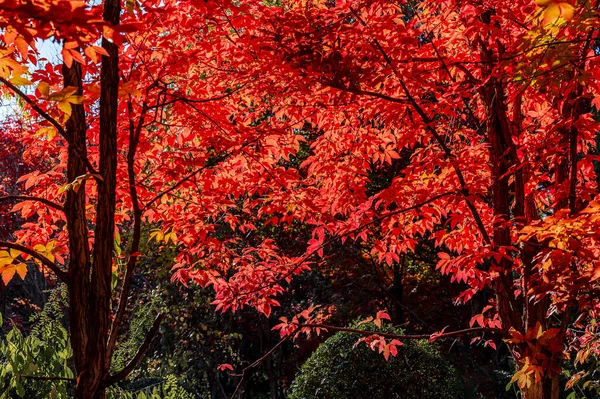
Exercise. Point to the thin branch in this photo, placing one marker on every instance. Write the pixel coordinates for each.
(370, 94)
(429, 126)
(61, 274)
(44, 201)
(403, 336)
(134, 139)
(451, 157)
(113, 379)
(61, 130)
(333, 239)
(42, 378)
(187, 100)
(210, 164)
(256, 363)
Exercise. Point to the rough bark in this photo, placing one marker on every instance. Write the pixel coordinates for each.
(91, 306)
(79, 253)
(548, 388)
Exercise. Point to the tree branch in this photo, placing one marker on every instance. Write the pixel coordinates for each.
(403, 336)
(113, 379)
(210, 163)
(42, 378)
(44, 201)
(134, 139)
(256, 363)
(52, 121)
(347, 234)
(61, 274)
(429, 126)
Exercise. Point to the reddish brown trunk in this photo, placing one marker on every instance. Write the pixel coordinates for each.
(502, 157)
(548, 388)
(79, 254)
(82, 318)
(89, 285)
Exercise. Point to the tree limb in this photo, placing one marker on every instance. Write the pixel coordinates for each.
(42, 378)
(429, 126)
(44, 201)
(52, 121)
(256, 363)
(210, 163)
(349, 233)
(113, 379)
(403, 336)
(61, 274)
(134, 138)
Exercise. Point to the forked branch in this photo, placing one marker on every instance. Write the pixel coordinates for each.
(121, 375)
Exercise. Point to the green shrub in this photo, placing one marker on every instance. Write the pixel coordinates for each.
(46, 352)
(340, 370)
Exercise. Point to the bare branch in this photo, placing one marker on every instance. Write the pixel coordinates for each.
(134, 138)
(404, 336)
(44, 201)
(113, 379)
(256, 363)
(42, 378)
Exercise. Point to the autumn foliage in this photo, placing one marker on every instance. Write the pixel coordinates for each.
(208, 122)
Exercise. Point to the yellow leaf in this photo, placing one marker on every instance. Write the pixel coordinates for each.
(74, 99)
(63, 94)
(7, 257)
(7, 269)
(157, 235)
(65, 106)
(20, 81)
(554, 11)
(47, 132)
(44, 88)
(46, 250)
(64, 188)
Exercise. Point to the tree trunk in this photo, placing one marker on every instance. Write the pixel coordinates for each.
(90, 282)
(548, 388)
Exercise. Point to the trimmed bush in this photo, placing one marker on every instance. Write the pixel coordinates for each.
(340, 370)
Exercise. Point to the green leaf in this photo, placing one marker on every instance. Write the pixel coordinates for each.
(20, 390)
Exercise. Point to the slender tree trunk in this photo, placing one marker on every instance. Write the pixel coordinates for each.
(398, 292)
(90, 285)
(79, 253)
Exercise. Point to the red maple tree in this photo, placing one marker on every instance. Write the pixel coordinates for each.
(207, 120)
